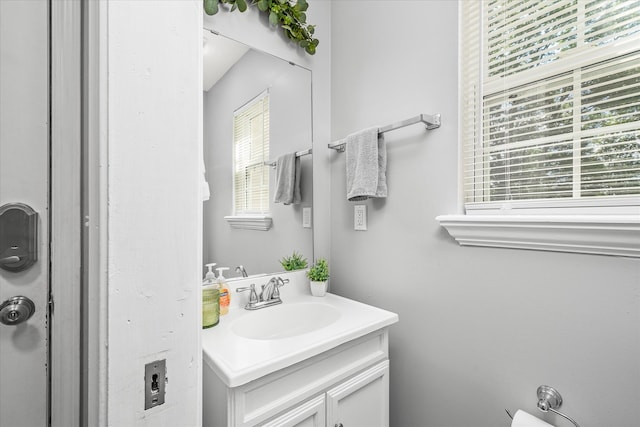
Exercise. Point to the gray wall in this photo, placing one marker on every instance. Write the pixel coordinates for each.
(290, 130)
(480, 329)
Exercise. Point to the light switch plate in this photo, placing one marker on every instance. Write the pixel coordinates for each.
(306, 217)
(360, 217)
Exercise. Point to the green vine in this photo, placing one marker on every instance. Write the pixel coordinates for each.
(289, 15)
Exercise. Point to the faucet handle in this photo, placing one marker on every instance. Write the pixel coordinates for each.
(263, 296)
(253, 296)
(276, 287)
(240, 269)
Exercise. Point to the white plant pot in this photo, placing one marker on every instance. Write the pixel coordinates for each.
(318, 289)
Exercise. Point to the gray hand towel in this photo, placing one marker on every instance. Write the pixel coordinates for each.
(287, 179)
(366, 161)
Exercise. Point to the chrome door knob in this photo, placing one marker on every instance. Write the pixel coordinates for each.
(16, 310)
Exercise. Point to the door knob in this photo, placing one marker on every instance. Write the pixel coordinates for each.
(16, 310)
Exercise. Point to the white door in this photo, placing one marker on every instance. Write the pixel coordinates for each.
(362, 401)
(24, 171)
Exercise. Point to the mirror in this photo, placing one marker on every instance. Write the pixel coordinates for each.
(236, 74)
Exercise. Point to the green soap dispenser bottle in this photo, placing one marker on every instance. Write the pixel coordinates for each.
(210, 299)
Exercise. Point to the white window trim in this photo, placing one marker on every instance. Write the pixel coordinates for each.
(249, 222)
(617, 235)
(585, 229)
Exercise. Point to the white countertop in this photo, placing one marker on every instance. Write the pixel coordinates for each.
(238, 360)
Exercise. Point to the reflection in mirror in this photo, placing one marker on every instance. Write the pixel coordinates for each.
(235, 74)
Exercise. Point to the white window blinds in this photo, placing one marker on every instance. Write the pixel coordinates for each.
(250, 151)
(550, 101)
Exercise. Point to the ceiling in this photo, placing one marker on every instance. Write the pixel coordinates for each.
(219, 54)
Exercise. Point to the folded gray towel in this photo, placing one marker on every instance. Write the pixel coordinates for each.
(366, 165)
(287, 179)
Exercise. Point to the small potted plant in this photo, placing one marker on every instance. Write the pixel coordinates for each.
(294, 262)
(318, 276)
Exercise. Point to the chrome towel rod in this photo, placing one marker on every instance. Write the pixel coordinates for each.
(298, 154)
(431, 121)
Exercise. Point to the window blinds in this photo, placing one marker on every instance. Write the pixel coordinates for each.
(250, 150)
(550, 100)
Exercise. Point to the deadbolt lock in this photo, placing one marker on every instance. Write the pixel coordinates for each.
(18, 237)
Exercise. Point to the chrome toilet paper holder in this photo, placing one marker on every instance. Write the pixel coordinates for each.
(549, 400)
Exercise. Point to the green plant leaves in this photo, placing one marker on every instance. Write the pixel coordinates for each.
(319, 272)
(263, 5)
(242, 5)
(289, 16)
(311, 47)
(273, 18)
(211, 7)
(294, 262)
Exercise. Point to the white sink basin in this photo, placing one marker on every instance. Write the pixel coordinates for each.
(247, 345)
(285, 321)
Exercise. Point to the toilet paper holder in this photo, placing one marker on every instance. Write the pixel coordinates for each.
(549, 400)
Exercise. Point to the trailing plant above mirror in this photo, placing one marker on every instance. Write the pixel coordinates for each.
(290, 15)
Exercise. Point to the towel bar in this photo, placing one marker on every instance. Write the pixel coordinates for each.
(298, 154)
(431, 121)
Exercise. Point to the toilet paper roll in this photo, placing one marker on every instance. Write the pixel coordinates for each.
(524, 419)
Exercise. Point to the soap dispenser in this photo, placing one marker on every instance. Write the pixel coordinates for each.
(210, 299)
(225, 295)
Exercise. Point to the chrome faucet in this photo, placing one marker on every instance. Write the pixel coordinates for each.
(271, 291)
(253, 296)
(270, 294)
(240, 269)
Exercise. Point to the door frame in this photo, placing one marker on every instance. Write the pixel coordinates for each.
(65, 317)
(78, 213)
(94, 34)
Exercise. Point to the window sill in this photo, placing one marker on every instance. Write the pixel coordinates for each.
(589, 234)
(249, 222)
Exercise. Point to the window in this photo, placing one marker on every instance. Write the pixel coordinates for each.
(250, 151)
(551, 103)
(550, 125)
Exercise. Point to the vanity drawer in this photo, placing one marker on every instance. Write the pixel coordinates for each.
(258, 400)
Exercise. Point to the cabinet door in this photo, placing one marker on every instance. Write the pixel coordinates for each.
(309, 414)
(362, 401)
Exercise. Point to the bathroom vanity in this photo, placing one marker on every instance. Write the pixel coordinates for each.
(307, 362)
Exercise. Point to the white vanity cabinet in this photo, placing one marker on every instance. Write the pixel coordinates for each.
(308, 414)
(345, 386)
(362, 401)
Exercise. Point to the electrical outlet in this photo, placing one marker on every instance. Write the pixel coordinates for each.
(155, 380)
(360, 217)
(306, 217)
